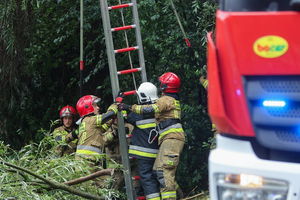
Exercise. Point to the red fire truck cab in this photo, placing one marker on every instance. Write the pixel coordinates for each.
(254, 100)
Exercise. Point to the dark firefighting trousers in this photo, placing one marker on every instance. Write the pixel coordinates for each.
(148, 179)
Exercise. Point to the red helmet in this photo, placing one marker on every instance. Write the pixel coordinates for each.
(169, 82)
(84, 105)
(67, 111)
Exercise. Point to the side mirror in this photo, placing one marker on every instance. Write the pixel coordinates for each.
(295, 4)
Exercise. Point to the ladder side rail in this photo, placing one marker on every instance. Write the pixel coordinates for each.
(109, 47)
(139, 40)
(115, 88)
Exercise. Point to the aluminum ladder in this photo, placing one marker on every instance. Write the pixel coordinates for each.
(114, 73)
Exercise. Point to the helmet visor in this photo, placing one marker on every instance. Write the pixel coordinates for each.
(97, 102)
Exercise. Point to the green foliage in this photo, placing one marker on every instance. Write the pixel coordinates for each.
(14, 25)
(192, 172)
(39, 58)
(165, 50)
(41, 159)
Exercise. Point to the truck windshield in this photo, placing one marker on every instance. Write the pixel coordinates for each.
(259, 5)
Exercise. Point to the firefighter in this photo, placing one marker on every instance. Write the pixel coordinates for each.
(66, 135)
(92, 128)
(112, 149)
(171, 135)
(112, 140)
(204, 83)
(144, 141)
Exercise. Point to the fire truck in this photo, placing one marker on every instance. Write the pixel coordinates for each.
(254, 100)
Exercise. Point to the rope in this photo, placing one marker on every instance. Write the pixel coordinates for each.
(127, 44)
(81, 62)
(186, 39)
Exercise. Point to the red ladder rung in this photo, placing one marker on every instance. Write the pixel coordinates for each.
(129, 92)
(126, 49)
(136, 178)
(123, 28)
(128, 71)
(141, 198)
(120, 6)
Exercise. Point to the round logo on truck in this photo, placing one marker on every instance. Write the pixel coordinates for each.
(270, 46)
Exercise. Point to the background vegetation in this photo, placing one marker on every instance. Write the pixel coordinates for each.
(39, 74)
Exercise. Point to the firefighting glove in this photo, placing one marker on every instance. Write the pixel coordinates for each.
(120, 97)
(75, 133)
(123, 106)
(113, 108)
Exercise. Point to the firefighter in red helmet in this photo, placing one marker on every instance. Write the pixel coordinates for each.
(171, 134)
(169, 83)
(92, 126)
(65, 135)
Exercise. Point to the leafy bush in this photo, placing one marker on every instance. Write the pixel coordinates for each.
(39, 54)
(41, 159)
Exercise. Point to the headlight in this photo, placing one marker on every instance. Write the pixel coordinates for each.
(250, 187)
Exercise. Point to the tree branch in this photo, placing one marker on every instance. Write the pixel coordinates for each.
(18, 172)
(90, 177)
(54, 184)
(194, 197)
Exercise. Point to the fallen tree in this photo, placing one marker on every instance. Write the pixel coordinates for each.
(36, 171)
(90, 177)
(65, 186)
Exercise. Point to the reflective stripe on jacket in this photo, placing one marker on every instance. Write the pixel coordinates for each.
(153, 196)
(205, 83)
(166, 107)
(88, 151)
(167, 195)
(144, 141)
(175, 128)
(146, 123)
(142, 151)
(91, 140)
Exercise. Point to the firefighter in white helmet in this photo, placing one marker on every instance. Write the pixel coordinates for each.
(171, 134)
(144, 141)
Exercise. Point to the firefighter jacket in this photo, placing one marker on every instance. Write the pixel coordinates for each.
(204, 82)
(112, 143)
(144, 141)
(167, 113)
(92, 139)
(66, 139)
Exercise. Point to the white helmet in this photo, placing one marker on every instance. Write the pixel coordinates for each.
(147, 92)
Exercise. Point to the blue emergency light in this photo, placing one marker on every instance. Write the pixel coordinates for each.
(274, 103)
